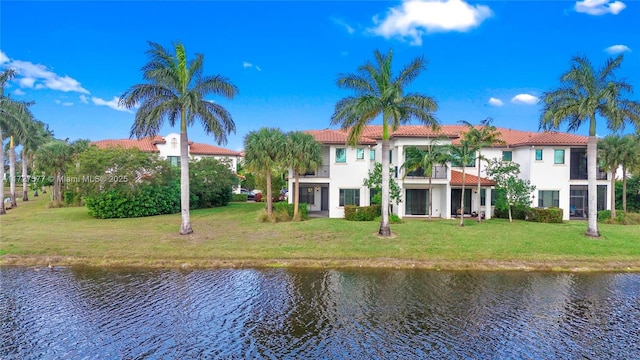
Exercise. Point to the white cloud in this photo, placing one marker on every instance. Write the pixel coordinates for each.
(415, 17)
(617, 49)
(37, 76)
(258, 68)
(343, 24)
(113, 103)
(18, 92)
(246, 65)
(3, 58)
(495, 102)
(84, 99)
(525, 99)
(599, 7)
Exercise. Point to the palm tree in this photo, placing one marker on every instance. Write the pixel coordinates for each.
(264, 152)
(464, 154)
(303, 153)
(486, 135)
(378, 92)
(426, 159)
(14, 116)
(38, 134)
(54, 157)
(175, 89)
(585, 93)
(609, 156)
(629, 159)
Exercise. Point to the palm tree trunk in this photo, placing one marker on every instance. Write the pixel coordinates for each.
(12, 172)
(462, 198)
(296, 197)
(385, 230)
(624, 189)
(479, 197)
(185, 226)
(592, 146)
(3, 211)
(510, 218)
(25, 176)
(269, 200)
(612, 193)
(430, 197)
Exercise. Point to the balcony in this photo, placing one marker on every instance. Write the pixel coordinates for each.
(578, 166)
(439, 172)
(321, 172)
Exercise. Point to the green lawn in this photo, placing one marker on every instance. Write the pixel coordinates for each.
(32, 234)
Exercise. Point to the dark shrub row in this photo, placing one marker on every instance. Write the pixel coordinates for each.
(361, 213)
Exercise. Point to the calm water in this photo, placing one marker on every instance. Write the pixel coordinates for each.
(311, 314)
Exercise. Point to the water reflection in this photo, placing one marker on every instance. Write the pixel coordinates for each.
(276, 313)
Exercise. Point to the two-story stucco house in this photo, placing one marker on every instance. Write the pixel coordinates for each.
(554, 162)
(168, 147)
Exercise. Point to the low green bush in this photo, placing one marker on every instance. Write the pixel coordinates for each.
(361, 213)
(517, 213)
(286, 208)
(604, 215)
(239, 198)
(147, 200)
(546, 215)
(621, 218)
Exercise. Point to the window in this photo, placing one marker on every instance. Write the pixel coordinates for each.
(360, 154)
(174, 160)
(507, 155)
(548, 198)
(558, 156)
(538, 154)
(174, 143)
(483, 197)
(390, 156)
(349, 197)
(472, 162)
(341, 155)
(372, 154)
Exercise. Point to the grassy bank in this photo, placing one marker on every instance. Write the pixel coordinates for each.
(35, 235)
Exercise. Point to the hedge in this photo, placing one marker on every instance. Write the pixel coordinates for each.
(546, 215)
(239, 197)
(283, 207)
(361, 213)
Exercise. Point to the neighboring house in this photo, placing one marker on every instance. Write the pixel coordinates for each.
(168, 147)
(554, 162)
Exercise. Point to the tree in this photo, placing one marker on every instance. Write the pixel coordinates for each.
(38, 134)
(609, 156)
(629, 159)
(512, 190)
(54, 158)
(212, 182)
(426, 159)
(378, 92)
(303, 153)
(463, 154)
(479, 137)
(374, 181)
(584, 94)
(14, 116)
(264, 153)
(176, 88)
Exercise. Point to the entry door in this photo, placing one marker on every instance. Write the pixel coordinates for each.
(324, 198)
(416, 203)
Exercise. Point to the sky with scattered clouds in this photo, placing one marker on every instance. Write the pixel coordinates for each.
(484, 58)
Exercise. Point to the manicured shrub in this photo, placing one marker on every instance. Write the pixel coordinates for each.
(287, 208)
(147, 200)
(361, 213)
(517, 213)
(239, 198)
(622, 218)
(546, 215)
(604, 215)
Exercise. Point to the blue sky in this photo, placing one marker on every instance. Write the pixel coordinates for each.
(485, 58)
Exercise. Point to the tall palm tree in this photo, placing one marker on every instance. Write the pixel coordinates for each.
(609, 157)
(54, 157)
(303, 153)
(479, 137)
(38, 135)
(264, 153)
(378, 92)
(14, 117)
(629, 159)
(426, 159)
(464, 154)
(175, 89)
(584, 94)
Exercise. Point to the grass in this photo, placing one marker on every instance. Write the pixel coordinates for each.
(35, 235)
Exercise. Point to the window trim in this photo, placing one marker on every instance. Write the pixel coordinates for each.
(564, 157)
(540, 198)
(372, 154)
(541, 155)
(341, 160)
(342, 197)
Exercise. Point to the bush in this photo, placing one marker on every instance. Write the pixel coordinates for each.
(147, 200)
(517, 212)
(604, 215)
(71, 198)
(239, 198)
(621, 218)
(283, 207)
(361, 213)
(546, 215)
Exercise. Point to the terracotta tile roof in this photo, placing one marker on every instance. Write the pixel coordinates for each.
(206, 149)
(469, 179)
(147, 144)
(330, 136)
